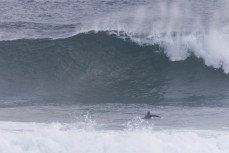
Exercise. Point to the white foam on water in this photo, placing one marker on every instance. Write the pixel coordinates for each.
(57, 138)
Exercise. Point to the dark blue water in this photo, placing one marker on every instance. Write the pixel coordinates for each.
(103, 68)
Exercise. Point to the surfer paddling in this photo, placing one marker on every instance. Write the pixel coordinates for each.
(149, 116)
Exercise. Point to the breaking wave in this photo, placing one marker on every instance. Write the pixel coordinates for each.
(113, 67)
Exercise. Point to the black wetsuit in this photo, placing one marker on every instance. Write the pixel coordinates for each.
(148, 116)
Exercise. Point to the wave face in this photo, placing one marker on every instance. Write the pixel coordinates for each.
(102, 67)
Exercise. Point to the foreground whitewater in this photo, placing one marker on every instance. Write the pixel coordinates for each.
(113, 128)
(64, 138)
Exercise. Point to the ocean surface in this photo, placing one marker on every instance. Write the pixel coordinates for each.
(77, 76)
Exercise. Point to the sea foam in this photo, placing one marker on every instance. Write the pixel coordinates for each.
(56, 137)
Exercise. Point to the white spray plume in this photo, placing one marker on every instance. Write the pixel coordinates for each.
(181, 28)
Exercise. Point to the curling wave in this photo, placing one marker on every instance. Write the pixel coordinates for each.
(106, 67)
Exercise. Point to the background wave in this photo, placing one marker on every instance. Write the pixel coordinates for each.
(101, 67)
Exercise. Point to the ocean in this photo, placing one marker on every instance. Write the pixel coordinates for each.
(78, 76)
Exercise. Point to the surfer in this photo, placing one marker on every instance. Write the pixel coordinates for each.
(149, 116)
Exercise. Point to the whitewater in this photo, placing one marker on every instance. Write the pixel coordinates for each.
(52, 138)
(108, 128)
(78, 76)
